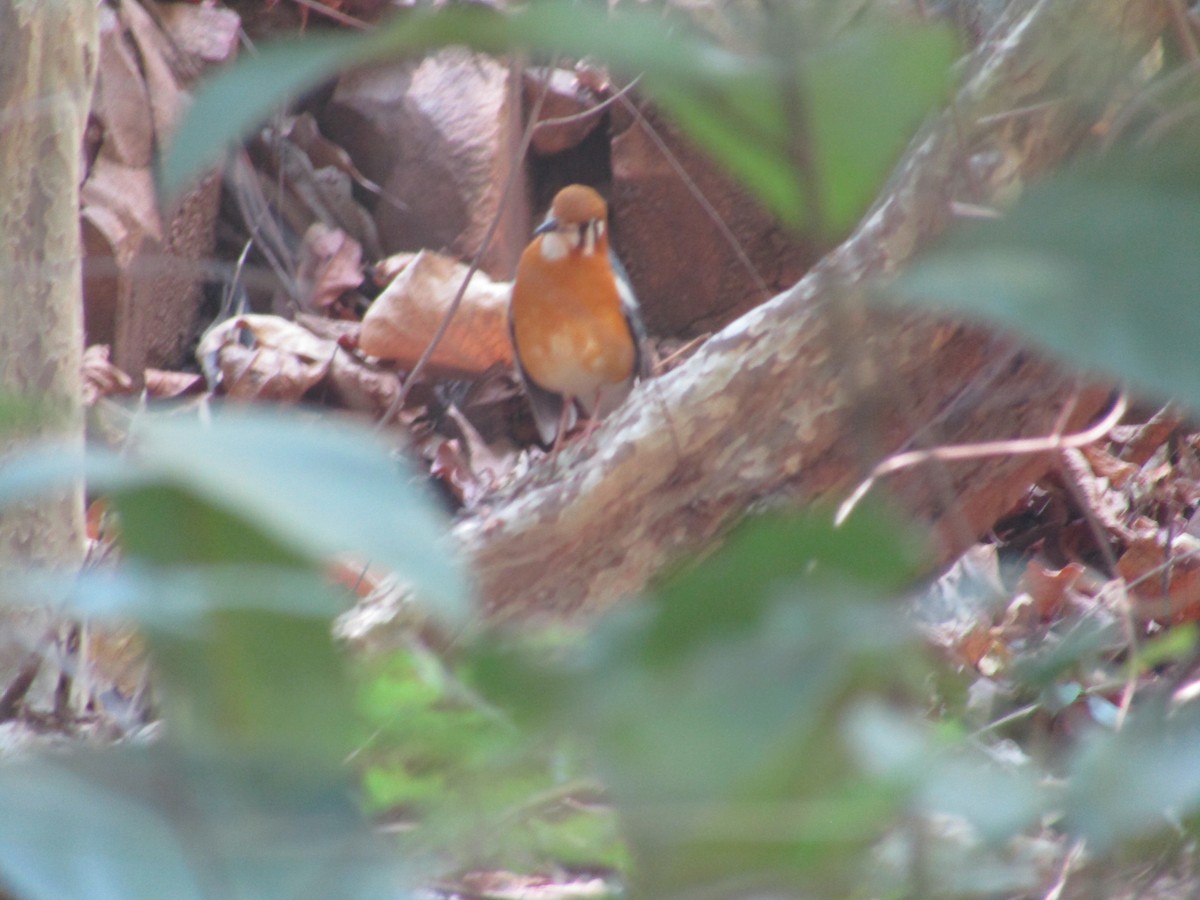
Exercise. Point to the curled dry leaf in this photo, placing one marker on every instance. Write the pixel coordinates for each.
(360, 387)
(100, 377)
(257, 357)
(570, 112)
(164, 385)
(391, 266)
(403, 319)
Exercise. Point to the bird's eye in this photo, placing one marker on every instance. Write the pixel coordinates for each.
(583, 228)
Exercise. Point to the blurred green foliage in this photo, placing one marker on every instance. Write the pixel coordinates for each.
(224, 526)
(759, 722)
(484, 791)
(1096, 263)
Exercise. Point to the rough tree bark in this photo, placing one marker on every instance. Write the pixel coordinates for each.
(792, 401)
(47, 64)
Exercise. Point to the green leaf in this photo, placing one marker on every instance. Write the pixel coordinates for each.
(155, 822)
(1141, 780)
(265, 685)
(314, 487)
(867, 92)
(713, 706)
(763, 556)
(270, 487)
(1097, 265)
(41, 466)
(947, 778)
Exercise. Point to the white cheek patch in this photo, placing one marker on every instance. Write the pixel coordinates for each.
(554, 246)
(589, 238)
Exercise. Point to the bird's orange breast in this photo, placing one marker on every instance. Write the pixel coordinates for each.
(570, 331)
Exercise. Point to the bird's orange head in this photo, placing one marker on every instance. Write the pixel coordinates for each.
(578, 222)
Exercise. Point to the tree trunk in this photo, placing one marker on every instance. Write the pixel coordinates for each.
(47, 62)
(794, 401)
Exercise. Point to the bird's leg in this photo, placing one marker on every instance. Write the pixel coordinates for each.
(593, 419)
(561, 436)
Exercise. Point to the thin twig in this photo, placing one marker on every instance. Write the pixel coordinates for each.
(981, 450)
(335, 14)
(1070, 858)
(698, 196)
(1125, 608)
(591, 110)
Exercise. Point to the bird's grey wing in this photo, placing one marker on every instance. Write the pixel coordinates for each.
(644, 358)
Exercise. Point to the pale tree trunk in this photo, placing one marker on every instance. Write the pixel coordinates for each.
(47, 63)
(792, 402)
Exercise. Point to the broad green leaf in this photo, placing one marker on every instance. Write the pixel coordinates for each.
(728, 592)
(867, 93)
(1140, 780)
(222, 492)
(316, 486)
(167, 526)
(158, 822)
(1098, 265)
(243, 655)
(174, 601)
(262, 685)
(41, 466)
(997, 801)
(713, 706)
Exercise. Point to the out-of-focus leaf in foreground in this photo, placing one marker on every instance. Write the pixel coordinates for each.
(139, 823)
(1097, 264)
(713, 707)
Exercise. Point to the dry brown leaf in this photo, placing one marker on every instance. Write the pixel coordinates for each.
(976, 645)
(1048, 588)
(570, 111)
(402, 320)
(361, 387)
(330, 265)
(266, 358)
(1105, 465)
(1162, 588)
(100, 377)
(388, 268)
(164, 385)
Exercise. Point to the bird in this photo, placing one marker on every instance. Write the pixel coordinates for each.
(577, 335)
